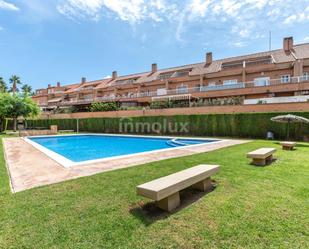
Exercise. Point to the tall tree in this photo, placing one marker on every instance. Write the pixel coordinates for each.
(15, 80)
(3, 86)
(27, 89)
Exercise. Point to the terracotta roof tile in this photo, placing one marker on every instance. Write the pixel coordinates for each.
(301, 51)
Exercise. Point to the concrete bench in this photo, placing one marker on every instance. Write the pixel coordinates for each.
(66, 131)
(165, 191)
(261, 156)
(288, 145)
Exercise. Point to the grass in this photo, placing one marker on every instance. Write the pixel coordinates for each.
(251, 207)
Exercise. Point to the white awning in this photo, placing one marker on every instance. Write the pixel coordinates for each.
(172, 97)
(54, 100)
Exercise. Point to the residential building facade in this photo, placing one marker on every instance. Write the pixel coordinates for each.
(277, 75)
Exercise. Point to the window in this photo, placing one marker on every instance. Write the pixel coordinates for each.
(212, 84)
(182, 89)
(229, 82)
(262, 81)
(285, 78)
(165, 76)
(144, 93)
(181, 73)
(199, 87)
(127, 81)
(87, 88)
(161, 91)
(305, 76)
(87, 96)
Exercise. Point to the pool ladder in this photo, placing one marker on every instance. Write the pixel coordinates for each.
(175, 143)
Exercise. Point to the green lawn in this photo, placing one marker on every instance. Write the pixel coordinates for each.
(252, 207)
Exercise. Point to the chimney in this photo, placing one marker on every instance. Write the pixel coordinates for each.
(208, 58)
(114, 75)
(154, 67)
(288, 44)
(83, 79)
(58, 84)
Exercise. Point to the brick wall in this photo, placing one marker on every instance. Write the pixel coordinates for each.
(285, 107)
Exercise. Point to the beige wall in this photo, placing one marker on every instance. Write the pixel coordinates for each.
(289, 107)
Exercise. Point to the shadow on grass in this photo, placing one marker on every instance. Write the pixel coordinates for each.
(268, 163)
(302, 146)
(149, 213)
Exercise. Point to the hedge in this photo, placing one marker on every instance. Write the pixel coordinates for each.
(244, 125)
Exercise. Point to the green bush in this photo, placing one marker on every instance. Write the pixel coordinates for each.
(159, 105)
(103, 107)
(169, 104)
(243, 125)
(71, 109)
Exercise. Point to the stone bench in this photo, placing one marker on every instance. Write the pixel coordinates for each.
(288, 145)
(66, 131)
(261, 156)
(165, 191)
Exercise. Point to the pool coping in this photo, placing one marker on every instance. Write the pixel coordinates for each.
(29, 167)
(67, 163)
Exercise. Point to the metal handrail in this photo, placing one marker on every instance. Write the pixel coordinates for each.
(249, 84)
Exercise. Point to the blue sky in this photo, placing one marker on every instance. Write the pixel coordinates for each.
(45, 41)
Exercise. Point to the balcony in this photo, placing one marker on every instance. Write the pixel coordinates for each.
(276, 100)
(87, 88)
(202, 89)
(55, 91)
(222, 87)
(248, 63)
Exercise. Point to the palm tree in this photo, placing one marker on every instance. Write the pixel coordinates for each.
(27, 89)
(15, 80)
(3, 86)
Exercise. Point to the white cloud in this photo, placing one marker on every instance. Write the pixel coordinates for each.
(8, 6)
(247, 18)
(1, 28)
(300, 16)
(133, 11)
(242, 19)
(199, 7)
(238, 44)
(306, 39)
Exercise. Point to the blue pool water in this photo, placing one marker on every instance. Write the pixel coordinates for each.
(80, 148)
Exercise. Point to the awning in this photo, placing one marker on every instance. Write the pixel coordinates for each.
(54, 100)
(172, 97)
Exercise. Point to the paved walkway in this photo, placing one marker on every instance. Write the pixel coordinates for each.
(29, 167)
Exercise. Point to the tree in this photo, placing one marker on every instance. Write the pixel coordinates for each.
(27, 89)
(3, 86)
(14, 106)
(14, 80)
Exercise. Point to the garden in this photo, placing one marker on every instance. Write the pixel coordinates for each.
(251, 207)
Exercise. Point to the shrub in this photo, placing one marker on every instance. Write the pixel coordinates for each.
(71, 109)
(247, 125)
(103, 107)
(129, 108)
(159, 105)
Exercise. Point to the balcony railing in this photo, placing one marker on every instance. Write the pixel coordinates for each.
(202, 89)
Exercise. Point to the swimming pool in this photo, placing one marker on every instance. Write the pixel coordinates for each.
(72, 150)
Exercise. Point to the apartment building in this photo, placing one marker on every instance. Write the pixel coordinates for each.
(275, 76)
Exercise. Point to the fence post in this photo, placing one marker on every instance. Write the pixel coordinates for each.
(77, 125)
